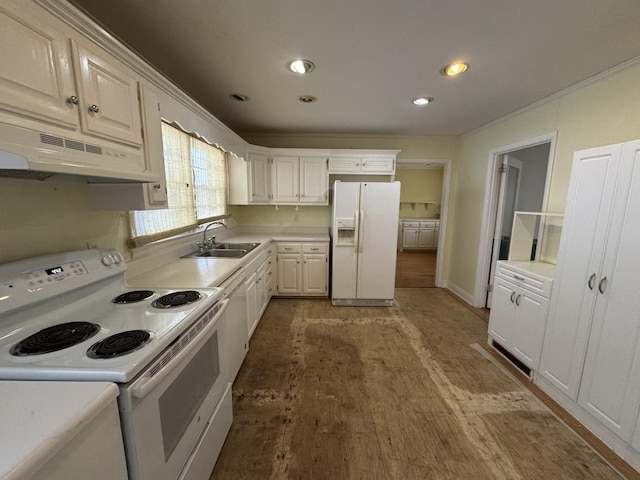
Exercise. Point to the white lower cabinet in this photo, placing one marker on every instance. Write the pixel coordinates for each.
(420, 234)
(259, 286)
(252, 303)
(519, 311)
(303, 269)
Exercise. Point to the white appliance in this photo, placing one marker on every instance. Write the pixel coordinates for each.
(365, 239)
(71, 317)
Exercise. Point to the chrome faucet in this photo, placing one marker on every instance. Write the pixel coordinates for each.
(208, 242)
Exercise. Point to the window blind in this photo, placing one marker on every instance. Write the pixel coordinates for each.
(196, 188)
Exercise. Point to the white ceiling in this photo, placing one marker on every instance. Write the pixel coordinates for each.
(373, 57)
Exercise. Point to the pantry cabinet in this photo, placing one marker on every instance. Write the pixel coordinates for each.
(591, 351)
(519, 309)
(303, 268)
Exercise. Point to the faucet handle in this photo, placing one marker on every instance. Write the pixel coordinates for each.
(210, 241)
(200, 246)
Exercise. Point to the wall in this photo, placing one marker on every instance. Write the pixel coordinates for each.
(601, 112)
(421, 191)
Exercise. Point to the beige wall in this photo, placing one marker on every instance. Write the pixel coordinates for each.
(603, 112)
(421, 191)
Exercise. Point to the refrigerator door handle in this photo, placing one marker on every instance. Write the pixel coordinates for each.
(361, 227)
(356, 230)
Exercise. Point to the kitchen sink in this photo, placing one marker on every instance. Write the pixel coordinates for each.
(224, 250)
(235, 246)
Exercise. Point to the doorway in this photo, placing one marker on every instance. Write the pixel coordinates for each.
(423, 199)
(517, 180)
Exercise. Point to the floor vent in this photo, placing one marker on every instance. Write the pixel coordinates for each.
(509, 356)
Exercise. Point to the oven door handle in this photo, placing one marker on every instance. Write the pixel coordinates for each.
(141, 387)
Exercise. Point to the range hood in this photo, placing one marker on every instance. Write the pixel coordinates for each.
(34, 154)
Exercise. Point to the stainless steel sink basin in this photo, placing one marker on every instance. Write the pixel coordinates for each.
(235, 246)
(224, 250)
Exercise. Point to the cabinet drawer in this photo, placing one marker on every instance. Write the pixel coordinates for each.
(534, 283)
(314, 248)
(289, 248)
(410, 224)
(429, 224)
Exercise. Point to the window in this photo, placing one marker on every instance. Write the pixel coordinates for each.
(196, 188)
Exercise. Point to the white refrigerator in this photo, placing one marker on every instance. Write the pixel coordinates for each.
(365, 237)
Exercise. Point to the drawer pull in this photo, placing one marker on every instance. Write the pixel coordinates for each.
(518, 278)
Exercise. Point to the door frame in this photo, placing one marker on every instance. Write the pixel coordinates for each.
(489, 208)
(444, 206)
(507, 161)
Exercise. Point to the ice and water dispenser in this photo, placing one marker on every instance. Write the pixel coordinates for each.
(346, 231)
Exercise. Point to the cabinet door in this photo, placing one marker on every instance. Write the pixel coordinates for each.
(610, 385)
(436, 237)
(425, 237)
(314, 180)
(314, 274)
(286, 179)
(252, 305)
(528, 326)
(378, 165)
(109, 106)
(589, 202)
(502, 312)
(35, 70)
(409, 237)
(153, 149)
(262, 294)
(259, 178)
(344, 164)
(289, 273)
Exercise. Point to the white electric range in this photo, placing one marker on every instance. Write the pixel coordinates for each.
(71, 317)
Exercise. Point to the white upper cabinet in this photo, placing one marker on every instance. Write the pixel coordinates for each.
(363, 163)
(259, 178)
(108, 98)
(35, 69)
(285, 179)
(314, 181)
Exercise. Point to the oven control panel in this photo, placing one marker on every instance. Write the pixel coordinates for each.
(57, 273)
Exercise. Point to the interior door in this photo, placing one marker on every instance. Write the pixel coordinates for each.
(510, 174)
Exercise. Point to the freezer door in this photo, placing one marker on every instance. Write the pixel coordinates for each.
(346, 205)
(378, 240)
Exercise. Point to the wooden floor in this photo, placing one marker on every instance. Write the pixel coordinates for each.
(341, 393)
(416, 269)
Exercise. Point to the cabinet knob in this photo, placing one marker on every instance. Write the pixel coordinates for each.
(157, 186)
(73, 100)
(94, 109)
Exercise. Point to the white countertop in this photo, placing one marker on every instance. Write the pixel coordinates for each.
(39, 418)
(178, 272)
(540, 269)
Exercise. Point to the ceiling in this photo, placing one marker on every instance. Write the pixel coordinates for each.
(372, 57)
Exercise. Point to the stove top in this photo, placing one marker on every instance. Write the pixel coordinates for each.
(72, 317)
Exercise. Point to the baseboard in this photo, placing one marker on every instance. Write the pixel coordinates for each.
(459, 292)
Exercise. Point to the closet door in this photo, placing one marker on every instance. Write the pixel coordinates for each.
(610, 386)
(589, 203)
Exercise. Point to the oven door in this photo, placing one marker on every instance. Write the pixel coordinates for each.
(165, 411)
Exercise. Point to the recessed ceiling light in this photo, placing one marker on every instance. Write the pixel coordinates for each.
(301, 66)
(238, 97)
(422, 100)
(307, 98)
(454, 69)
